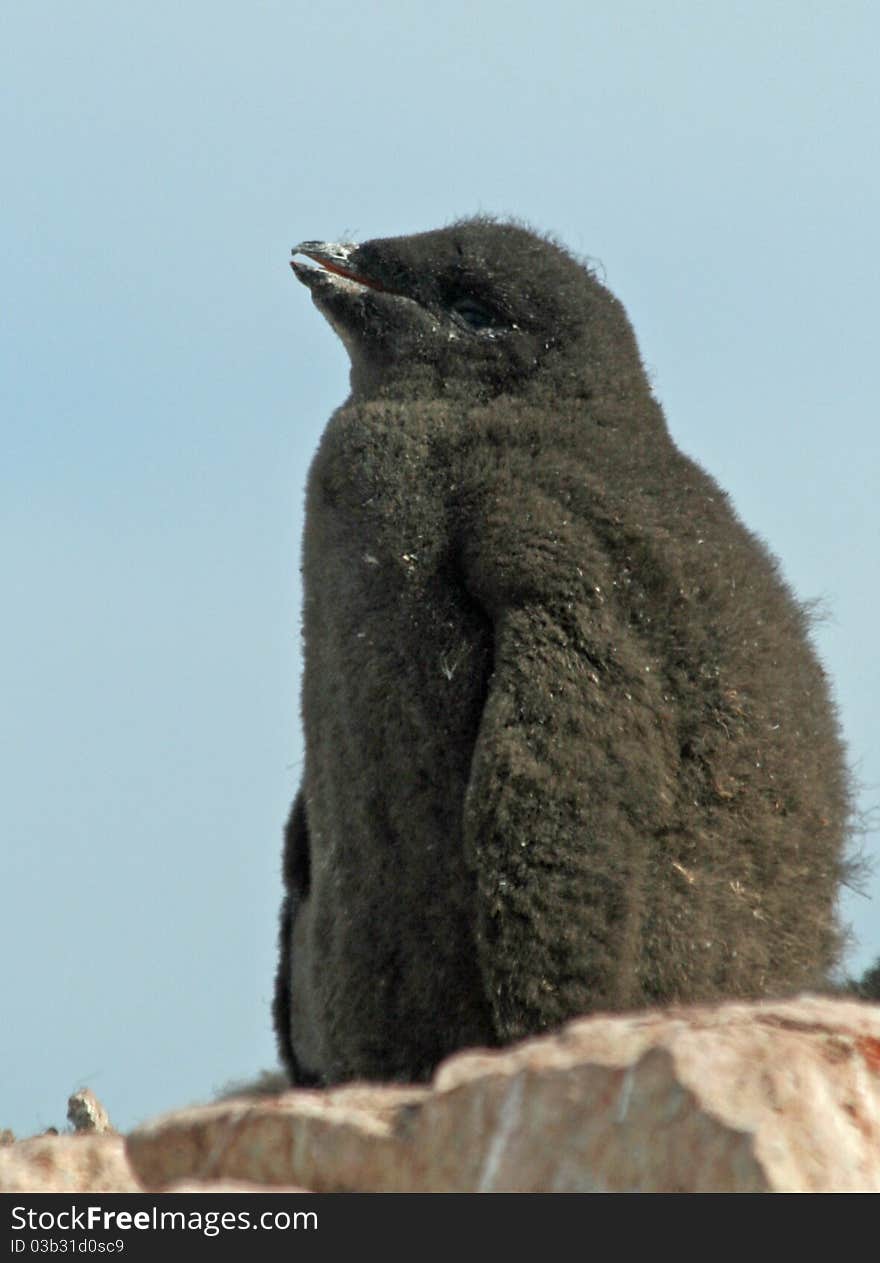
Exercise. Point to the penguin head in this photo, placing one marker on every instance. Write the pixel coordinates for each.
(478, 309)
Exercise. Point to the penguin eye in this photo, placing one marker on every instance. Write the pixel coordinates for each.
(473, 314)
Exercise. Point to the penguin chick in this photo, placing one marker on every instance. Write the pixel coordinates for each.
(568, 746)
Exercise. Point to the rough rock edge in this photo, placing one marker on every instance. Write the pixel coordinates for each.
(773, 1096)
(740, 1097)
(82, 1163)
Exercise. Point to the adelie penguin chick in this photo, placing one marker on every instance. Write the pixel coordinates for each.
(568, 747)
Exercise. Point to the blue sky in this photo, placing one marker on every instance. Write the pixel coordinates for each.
(164, 381)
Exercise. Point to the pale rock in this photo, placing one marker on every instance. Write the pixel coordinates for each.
(345, 1136)
(86, 1113)
(734, 1097)
(84, 1163)
(228, 1186)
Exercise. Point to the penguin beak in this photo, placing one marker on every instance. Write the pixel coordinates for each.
(333, 256)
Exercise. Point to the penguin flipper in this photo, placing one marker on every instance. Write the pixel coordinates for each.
(296, 873)
(563, 783)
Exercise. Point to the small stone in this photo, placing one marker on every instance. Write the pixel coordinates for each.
(87, 1114)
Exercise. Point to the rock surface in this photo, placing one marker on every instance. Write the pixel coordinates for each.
(737, 1097)
(87, 1163)
(86, 1113)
